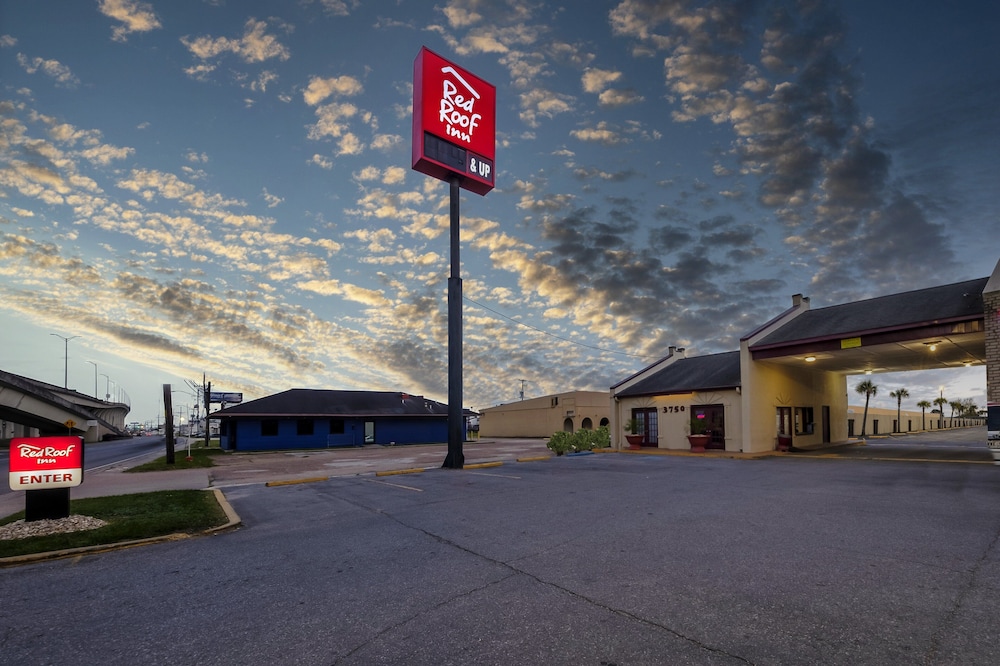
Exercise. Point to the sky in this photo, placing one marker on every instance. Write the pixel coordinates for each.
(223, 189)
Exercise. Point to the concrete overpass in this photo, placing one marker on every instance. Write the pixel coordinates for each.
(30, 408)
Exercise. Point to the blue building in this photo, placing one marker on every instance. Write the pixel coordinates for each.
(312, 419)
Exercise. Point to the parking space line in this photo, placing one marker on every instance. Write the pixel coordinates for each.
(396, 485)
(501, 476)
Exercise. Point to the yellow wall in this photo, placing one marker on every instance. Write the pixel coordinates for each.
(674, 414)
(540, 417)
(910, 419)
(767, 386)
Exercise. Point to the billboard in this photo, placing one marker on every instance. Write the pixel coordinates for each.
(454, 123)
(39, 463)
(228, 398)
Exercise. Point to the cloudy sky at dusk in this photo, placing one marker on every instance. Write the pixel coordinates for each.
(224, 187)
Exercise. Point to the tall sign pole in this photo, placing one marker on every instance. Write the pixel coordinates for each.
(456, 421)
(454, 139)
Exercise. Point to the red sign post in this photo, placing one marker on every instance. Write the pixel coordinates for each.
(46, 467)
(454, 123)
(454, 139)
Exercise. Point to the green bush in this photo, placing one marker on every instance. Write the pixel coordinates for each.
(560, 442)
(581, 440)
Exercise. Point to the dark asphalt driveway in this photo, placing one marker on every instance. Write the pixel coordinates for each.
(961, 445)
(598, 559)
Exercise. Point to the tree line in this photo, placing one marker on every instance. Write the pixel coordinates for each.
(966, 408)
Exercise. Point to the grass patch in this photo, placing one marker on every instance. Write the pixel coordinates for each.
(200, 457)
(138, 516)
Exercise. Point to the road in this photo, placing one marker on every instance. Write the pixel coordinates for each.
(597, 560)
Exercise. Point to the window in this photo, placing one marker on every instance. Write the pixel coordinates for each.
(269, 428)
(804, 421)
(336, 426)
(304, 427)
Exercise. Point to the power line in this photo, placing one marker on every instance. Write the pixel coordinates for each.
(553, 335)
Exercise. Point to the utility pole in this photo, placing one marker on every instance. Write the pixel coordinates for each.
(168, 421)
(523, 381)
(65, 357)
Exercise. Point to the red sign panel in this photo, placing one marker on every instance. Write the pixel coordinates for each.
(454, 123)
(37, 463)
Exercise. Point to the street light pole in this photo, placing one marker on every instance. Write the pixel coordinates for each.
(94, 363)
(107, 389)
(65, 357)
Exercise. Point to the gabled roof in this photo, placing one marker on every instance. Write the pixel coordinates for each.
(937, 305)
(714, 372)
(295, 403)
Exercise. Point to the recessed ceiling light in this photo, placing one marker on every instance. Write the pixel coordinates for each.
(868, 372)
(810, 359)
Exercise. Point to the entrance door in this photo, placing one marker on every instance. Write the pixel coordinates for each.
(714, 418)
(783, 426)
(648, 426)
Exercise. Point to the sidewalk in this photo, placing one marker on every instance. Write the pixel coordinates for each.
(239, 469)
(117, 482)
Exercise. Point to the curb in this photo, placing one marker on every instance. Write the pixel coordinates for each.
(292, 482)
(232, 521)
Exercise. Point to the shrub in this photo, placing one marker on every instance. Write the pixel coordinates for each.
(582, 440)
(560, 442)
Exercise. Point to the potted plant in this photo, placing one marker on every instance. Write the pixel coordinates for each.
(784, 442)
(633, 436)
(698, 436)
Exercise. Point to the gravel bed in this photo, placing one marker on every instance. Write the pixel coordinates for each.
(22, 530)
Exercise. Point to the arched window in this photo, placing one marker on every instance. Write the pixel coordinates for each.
(568, 425)
(605, 422)
(587, 424)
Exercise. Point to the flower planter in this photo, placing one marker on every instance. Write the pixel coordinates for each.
(635, 441)
(698, 442)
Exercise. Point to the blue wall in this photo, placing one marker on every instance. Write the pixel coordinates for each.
(398, 430)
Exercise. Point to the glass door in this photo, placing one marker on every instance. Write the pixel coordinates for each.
(648, 425)
(713, 420)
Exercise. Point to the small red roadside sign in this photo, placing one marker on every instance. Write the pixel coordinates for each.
(38, 463)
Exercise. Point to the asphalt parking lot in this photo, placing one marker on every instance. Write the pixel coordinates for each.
(599, 559)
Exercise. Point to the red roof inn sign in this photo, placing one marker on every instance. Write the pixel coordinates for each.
(39, 463)
(454, 123)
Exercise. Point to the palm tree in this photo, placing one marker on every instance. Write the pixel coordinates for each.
(923, 405)
(955, 404)
(867, 389)
(899, 394)
(940, 401)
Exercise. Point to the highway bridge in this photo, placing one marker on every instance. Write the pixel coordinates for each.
(30, 408)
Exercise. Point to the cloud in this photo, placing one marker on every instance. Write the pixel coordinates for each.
(253, 47)
(603, 133)
(595, 80)
(52, 68)
(333, 7)
(135, 17)
(319, 88)
(540, 103)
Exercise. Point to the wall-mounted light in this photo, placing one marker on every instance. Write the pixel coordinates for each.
(810, 359)
(868, 372)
